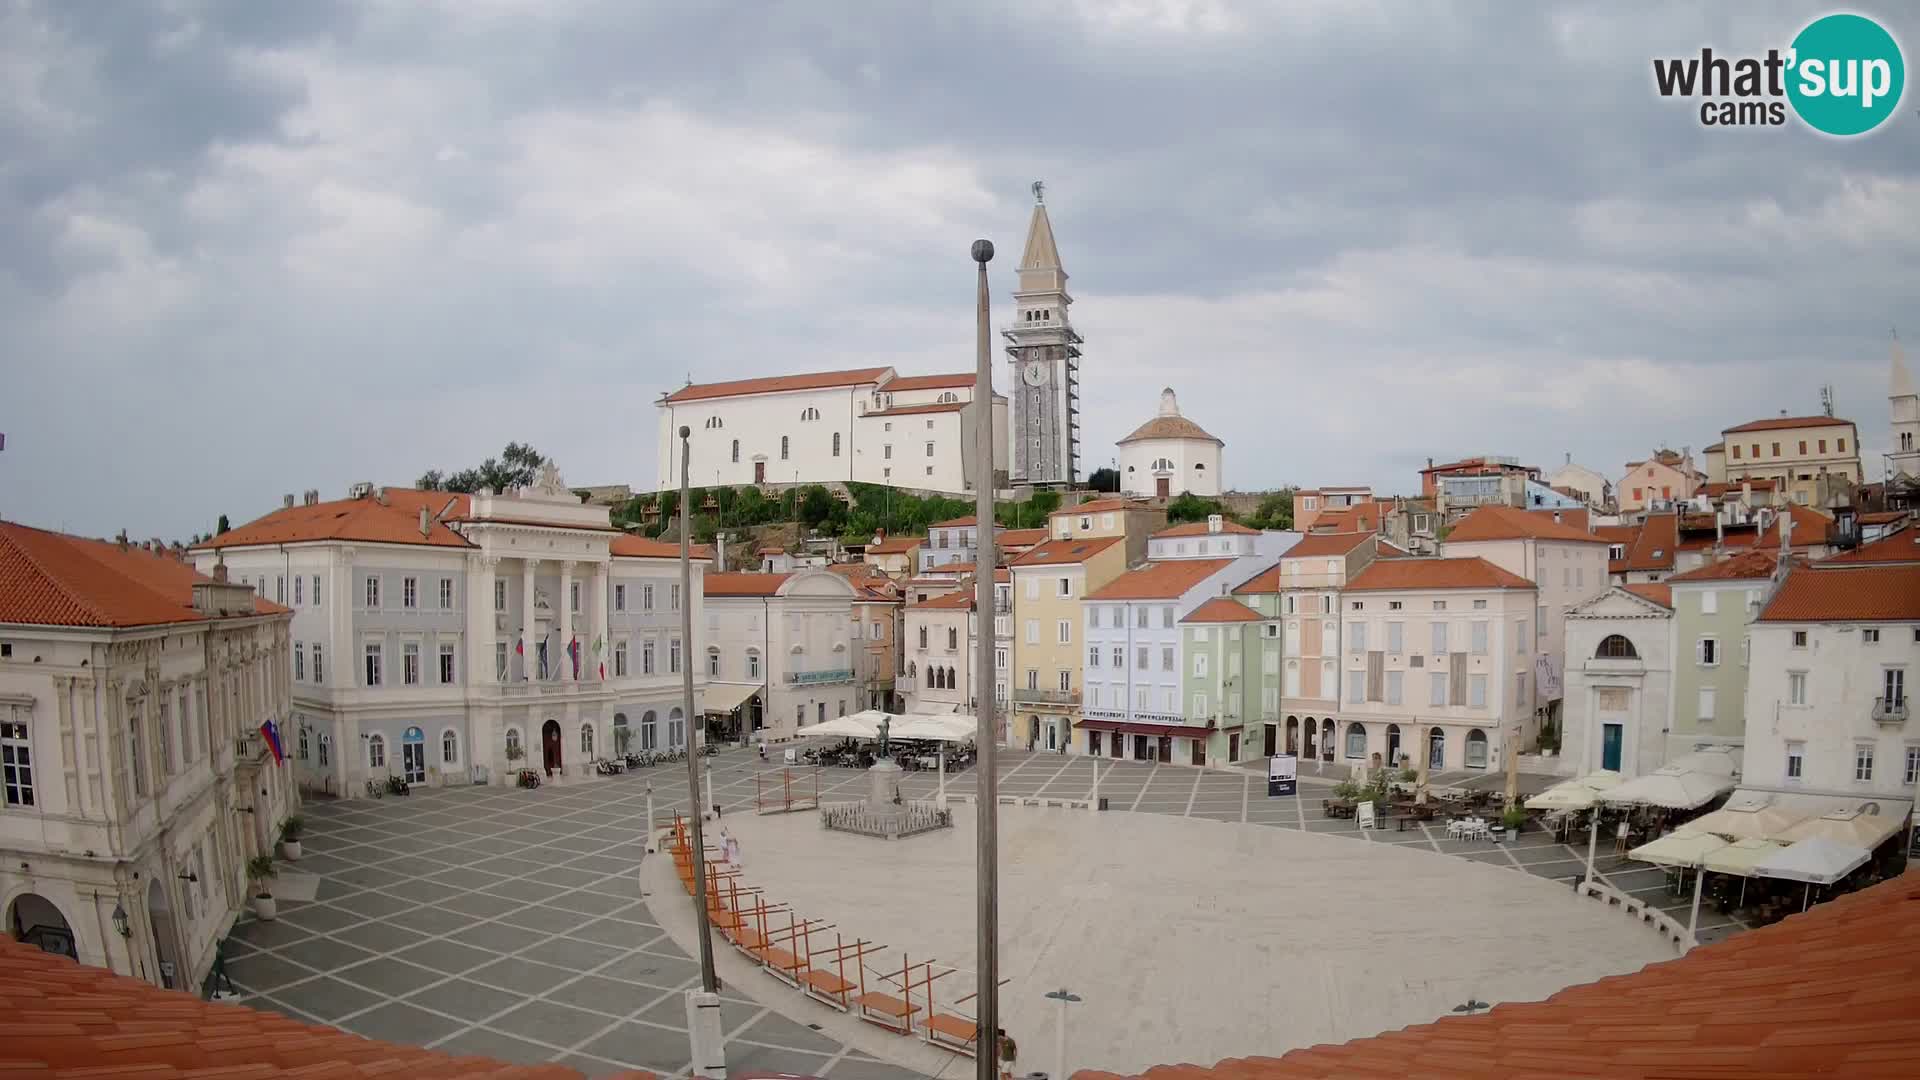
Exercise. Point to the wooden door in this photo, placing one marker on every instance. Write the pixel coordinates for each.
(759, 472)
(550, 746)
(1163, 486)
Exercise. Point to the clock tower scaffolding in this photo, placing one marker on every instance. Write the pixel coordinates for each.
(1043, 355)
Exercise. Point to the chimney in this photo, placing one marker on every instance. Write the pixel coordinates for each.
(426, 528)
(720, 552)
(1719, 536)
(380, 496)
(220, 568)
(1215, 522)
(286, 502)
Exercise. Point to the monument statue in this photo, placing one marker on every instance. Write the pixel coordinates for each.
(885, 723)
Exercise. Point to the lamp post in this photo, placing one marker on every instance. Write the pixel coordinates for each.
(986, 1062)
(703, 1006)
(1065, 998)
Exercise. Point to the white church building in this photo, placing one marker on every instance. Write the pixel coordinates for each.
(1170, 455)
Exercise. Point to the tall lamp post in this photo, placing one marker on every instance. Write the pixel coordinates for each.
(1065, 997)
(986, 1057)
(703, 1006)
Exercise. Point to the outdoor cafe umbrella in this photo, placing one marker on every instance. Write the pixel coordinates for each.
(1575, 794)
(1671, 787)
(1815, 861)
(856, 726)
(1853, 827)
(1753, 820)
(1739, 858)
(1683, 849)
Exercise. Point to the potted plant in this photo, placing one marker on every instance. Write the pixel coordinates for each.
(1513, 819)
(260, 870)
(290, 831)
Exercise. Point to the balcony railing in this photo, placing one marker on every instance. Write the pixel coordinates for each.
(1023, 696)
(1891, 713)
(816, 678)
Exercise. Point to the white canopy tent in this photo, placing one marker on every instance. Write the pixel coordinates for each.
(1855, 826)
(1674, 787)
(1578, 793)
(1683, 848)
(1740, 857)
(1748, 816)
(1816, 861)
(857, 726)
(942, 728)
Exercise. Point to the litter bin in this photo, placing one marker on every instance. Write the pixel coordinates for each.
(1103, 802)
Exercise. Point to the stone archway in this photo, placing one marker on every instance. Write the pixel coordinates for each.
(550, 756)
(33, 919)
(160, 919)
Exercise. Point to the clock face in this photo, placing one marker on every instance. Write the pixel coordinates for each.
(1036, 373)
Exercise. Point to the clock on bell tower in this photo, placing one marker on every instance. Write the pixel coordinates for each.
(1043, 355)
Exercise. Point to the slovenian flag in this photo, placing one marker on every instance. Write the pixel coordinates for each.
(573, 653)
(271, 732)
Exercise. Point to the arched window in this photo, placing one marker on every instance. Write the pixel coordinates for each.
(1326, 739)
(622, 734)
(376, 751)
(649, 731)
(676, 728)
(1163, 464)
(449, 748)
(586, 740)
(1615, 647)
(783, 448)
(912, 673)
(714, 422)
(1199, 467)
(923, 637)
(1476, 749)
(753, 663)
(326, 747)
(836, 444)
(1356, 740)
(736, 451)
(513, 743)
(952, 682)
(1436, 749)
(809, 413)
(303, 732)
(949, 398)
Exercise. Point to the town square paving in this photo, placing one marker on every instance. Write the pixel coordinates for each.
(511, 922)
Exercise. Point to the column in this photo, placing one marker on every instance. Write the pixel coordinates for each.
(531, 658)
(480, 620)
(602, 600)
(566, 620)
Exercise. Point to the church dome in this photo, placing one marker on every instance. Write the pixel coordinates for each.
(1169, 424)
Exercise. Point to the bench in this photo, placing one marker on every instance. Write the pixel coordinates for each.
(781, 962)
(951, 1033)
(827, 987)
(887, 1011)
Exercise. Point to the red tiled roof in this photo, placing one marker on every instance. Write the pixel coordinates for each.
(1326, 545)
(1477, 463)
(896, 545)
(1779, 423)
(956, 523)
(1658, 593)
(1826, 593)
(1833, 992)
(1011, 538)
(1748, 565)
(1199, 528)
(1099, 506)
(1810, 526)
(1222, 610)
(1159, 580)
(1507, 523)
(632, 546)
(1428, 573)
(1573, 517)
(62, 1019)
(1363, 517)
(1758, 483)
(364, 520)
(777, 384)
(53, 579)
(724, 585)
(1265, 582)
(1900, 546)
(1882, 517)
(1716, 447)
(960, 599)
(1653, 547)
(916, 410)
(1063, 552)
(1170, 427)
(955, 381)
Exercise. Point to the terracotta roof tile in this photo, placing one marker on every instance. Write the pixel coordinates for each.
(1199, 528)
(1507, 523)
(954, 381)
(777, 384)
(1009, 538)
(1900, 546)
(1064, 552)
(1222, 610)
(1365, 517)
(1169, 427)
(917, 410)
(632, 546)
(1159, 580)
(1321, 545)
(956, 523)
(1429, 573)
(1824, 592)
(896, 545)
(1659, 593)
(364, 520)
(1100, 506)
(1747, 565)
(1575, 517)
(1653, 547)
(53, 579)
(1780, 423)
(1263, 583)
(723, 585)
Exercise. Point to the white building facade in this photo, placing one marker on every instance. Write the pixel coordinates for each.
(1170, 455)
(939, 672)
(789, 635)
(1619, 687)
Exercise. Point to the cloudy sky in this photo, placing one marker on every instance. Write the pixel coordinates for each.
(252, 248)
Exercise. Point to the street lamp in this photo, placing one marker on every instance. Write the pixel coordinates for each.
(120, 921)
(987, 866)
(1065, 998)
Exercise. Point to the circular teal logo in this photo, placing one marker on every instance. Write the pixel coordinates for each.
(1846, 74)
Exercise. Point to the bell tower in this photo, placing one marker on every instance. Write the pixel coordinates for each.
(1903, 405)
(1043, 358)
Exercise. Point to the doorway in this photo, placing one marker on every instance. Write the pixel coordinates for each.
(413, 756)
(32, 919)
(1293, 735)
(1166, 748)
(1233, 748)
(1306, 745)
(160, 917)
(550, 746)
(1436, 750)
(759, 472)
(1272, 736)
(1093, 744)
(1611, 736)
(1199, 751)
(1163, 486)
(1140, 752)
(1393, 746)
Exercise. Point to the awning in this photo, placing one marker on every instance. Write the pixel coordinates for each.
(1817, 861)
(1748, 816)
(1575, 794)
(1129, 727)
(1740, 857)
(1674, 787)
(1865, 824)
(935, 728)
(1678, 849)
(723, 697)
(856, 726)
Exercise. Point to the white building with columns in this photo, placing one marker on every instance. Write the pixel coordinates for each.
(450, 639)
(784, 640)
(1619, 681)
(138, 781)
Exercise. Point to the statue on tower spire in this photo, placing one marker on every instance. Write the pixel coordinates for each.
(1039, 192)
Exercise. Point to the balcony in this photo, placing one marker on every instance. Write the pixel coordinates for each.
(818, 678)
(249, 747)
(1022, 696)
(1890, 713)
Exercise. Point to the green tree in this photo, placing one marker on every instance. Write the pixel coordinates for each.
(1275, 512)
(516, 466)
(1104, 479)
(222, 527)
(1191, 507)
(817, 506)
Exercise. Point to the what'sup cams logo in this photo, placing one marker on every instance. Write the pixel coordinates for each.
(1843, 75)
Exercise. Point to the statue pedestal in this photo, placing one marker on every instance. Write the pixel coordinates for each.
(884, 804)
(884, 813)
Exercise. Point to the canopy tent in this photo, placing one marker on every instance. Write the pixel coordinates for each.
(940, 728)
(1748, 816)
(1674, 787)
(1576, 794)
(856, 726)
(721, 697)
(1740, 857)
(1856, 826)
(1816, 861)
(1713, 760)
(1678, 849)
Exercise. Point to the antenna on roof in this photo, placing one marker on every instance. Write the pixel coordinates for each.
(1826, 398)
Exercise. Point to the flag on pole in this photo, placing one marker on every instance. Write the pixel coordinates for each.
(573, 653)
(520, 650)
(271, 732)
(600, 643)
